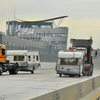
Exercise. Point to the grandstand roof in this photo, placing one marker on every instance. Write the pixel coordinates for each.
(42, 20)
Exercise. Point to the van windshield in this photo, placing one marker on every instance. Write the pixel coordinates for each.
(81, 49)
(3, 51)
(67, 61)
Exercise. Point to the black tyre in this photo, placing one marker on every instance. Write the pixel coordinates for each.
(79, 75)
(60, 75)
(10, 71)
(1, 69)
(90, 71)
(32, 71)
(71, 75)
(84, 74)
(14, 70)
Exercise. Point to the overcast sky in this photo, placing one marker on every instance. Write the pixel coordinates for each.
(83, 21)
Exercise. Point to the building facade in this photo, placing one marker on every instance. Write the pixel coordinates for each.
(39, 35)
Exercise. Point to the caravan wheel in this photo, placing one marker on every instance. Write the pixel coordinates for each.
(32, 71)
(60, 75)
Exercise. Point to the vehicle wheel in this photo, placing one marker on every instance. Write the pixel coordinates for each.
(88, 74)
(1, 69)
(32, 71)
(71, 75)
(10, 71)
(14, 70)
(60, 75)
(79, 75)
(84, 74)
(90, 71)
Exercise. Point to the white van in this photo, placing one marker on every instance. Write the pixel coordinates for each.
(70, 63)
(26, 61)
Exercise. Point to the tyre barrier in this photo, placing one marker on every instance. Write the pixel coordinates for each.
(88, 89)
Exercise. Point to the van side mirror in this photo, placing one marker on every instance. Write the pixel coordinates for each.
(96, 53)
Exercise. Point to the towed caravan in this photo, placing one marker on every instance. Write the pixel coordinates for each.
(26, 61)
(70, 63)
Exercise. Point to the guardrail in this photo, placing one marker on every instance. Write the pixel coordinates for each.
(85, 90)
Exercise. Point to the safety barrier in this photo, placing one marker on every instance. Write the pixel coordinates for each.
(85, 90)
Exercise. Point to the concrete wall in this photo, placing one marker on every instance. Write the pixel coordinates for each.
(86, 90)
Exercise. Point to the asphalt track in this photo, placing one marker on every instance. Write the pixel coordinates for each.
(25, 84)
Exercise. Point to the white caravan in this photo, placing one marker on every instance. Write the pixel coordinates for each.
(70, 63)
(26, 61)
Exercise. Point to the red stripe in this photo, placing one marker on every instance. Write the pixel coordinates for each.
(2, 56)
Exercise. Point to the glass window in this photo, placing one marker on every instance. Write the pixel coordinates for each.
(59, 34)
(58, 62)
(64, 34)
(29, 58)
(53, 34)
(3, 51)
(37, 58)
(34, 26)
(19, 27)
(81, 49)
(19, 58)
(80, 62)
(47, 34)
(15, 58)
(45, 26)
(68, 61)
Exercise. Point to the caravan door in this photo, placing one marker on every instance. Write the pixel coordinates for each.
(30, 62)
